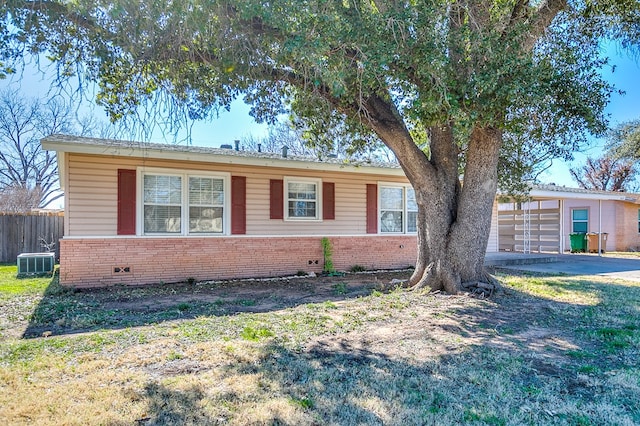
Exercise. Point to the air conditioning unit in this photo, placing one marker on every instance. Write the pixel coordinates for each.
(36, 264)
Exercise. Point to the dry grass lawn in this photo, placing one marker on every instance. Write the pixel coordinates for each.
(314, 351)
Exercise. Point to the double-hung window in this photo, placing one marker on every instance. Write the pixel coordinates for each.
(580, 220)
(183, 203)
(206, 205)
(398, 209)
(302, 199)
(162, 198)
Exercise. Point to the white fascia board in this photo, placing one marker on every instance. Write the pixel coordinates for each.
(120, 151)
(538, 193)
(62, 169)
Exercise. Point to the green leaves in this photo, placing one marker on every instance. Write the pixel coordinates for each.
(437, 62)
(624, 140)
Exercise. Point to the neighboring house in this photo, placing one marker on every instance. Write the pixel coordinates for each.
(554, 212)
(138, 213)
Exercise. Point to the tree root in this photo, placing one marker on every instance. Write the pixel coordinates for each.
(483, 289)
(424, 280)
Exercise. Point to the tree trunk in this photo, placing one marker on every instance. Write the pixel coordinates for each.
(454, 221)
(454, 218)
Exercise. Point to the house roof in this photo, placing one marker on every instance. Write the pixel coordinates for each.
(562, 192)
(83, 145)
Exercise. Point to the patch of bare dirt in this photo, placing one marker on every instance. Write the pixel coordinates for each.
(254, 295)
(419, 325)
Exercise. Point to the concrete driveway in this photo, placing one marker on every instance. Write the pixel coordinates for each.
(581, 264)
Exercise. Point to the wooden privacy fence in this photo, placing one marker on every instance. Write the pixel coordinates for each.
(29, 233)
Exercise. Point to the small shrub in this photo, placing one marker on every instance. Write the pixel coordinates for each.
(357, 268)
(301, 273)
(339, 288)
(327, 252)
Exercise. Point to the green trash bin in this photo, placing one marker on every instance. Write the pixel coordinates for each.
(578, 242)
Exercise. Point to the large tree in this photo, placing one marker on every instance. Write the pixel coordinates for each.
(440, 82)
(605, 174)
(623, 140)
(29, 174)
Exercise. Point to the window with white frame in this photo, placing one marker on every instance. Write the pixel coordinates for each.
(398, 209)
(412, 210)
(162, 200)
(302, 199)
(182, 204)
(206, 205)
(580, 221)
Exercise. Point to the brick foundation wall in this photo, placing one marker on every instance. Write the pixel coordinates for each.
(98, 262)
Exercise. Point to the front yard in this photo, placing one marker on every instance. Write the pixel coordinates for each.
(332, 350)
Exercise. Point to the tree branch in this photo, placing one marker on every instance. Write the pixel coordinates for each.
(541, 20)
(387, 123)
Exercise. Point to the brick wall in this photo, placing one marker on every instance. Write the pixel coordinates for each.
(96, 262)
(627, 219)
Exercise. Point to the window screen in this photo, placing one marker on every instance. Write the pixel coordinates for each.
(162, 199)
(206, 205)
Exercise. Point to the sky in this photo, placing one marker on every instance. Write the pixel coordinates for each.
(229, 126)
(625, 107)
(238, 124)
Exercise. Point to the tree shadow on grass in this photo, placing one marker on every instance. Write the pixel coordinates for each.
(68, 311)
(515, 359)
(355, 384)
(174, 407)
(519, 361)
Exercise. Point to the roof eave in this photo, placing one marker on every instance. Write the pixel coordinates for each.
(540, 193)
(143, 152)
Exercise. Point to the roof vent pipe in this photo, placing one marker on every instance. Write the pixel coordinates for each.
(284, 151)
(237, 142)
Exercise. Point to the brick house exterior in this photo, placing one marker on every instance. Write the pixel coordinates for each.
(140, 213)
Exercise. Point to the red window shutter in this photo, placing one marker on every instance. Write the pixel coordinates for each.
(328, 200)
(276, 210)
(238, 205)
(372, 209)
(126, 202)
